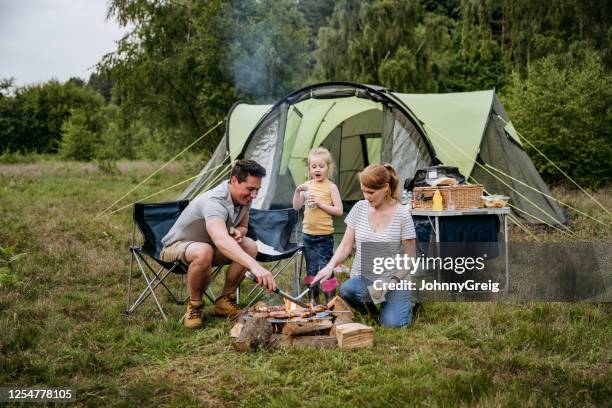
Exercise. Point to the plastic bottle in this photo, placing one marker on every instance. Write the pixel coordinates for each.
(437, 201)
(406, 198)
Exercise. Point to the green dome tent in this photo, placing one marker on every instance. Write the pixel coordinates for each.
(365, 124)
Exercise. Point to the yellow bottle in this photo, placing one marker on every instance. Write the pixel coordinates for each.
(437, 201)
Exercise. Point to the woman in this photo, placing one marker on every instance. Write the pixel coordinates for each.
(378, 219)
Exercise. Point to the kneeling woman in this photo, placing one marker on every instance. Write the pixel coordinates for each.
(380, 218)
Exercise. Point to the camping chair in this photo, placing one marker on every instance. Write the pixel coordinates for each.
(154, 221)
(272, 230)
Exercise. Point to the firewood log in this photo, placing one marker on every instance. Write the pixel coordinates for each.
(297, 328)
(280, 341)
(236, 330)
(337, 304)
(255, 333)
(354, 335)
(342, 318)
(315, 341)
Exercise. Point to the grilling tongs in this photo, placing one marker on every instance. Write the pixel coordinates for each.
(290, 298)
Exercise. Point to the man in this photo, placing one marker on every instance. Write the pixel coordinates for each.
(212, 231)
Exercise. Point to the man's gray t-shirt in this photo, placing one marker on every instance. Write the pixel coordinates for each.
(215, 203)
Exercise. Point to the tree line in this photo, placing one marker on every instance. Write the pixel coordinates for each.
(185, 62)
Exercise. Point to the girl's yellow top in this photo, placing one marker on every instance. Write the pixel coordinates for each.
(317, 221)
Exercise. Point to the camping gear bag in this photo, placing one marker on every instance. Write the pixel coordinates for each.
(422, 176)
(462, 197)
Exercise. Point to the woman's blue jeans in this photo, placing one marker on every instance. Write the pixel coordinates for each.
(396, 311)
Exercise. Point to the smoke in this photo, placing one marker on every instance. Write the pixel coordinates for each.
(268, 51)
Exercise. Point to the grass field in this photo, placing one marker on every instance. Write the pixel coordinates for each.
(62, 322)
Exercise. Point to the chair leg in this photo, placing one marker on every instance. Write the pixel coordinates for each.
(211, 293)
(129, 291)
(160, 281)
(157, 280)
(143, 296)
(151, 290)
(259, 288)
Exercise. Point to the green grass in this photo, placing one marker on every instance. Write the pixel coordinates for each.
(62, 322)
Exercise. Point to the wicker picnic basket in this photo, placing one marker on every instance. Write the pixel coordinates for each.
(462, 196)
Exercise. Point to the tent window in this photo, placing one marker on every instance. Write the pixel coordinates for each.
(373, 144)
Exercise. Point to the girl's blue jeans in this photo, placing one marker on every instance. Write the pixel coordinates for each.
(318, 250)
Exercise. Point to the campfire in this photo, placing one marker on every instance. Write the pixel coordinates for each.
(291, 325)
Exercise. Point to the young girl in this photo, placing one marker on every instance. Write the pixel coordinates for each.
(322, 202)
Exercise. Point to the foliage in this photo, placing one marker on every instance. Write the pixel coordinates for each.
(316, 14)
(167, 71)
(564, 109)
(395, 44)
(527, 30)
(101, 84)
(31, 118)
(78, 141)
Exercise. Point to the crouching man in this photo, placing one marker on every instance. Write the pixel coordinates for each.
(212, 231)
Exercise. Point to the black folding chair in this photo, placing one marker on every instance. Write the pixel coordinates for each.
(154, 221)
(272, 230)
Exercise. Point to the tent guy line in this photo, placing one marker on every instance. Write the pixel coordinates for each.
(570, 233)
(558, 168)
(506, 184)
(161, 168)
(549, 196)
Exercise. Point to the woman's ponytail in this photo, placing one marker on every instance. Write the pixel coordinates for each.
(393, 181)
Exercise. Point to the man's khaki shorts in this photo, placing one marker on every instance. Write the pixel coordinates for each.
(176, 252)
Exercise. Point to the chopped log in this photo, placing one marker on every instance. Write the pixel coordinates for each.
(337, 304)
(315, 341)
(280, 341)
(339, 321)
(354, 335)
(235, 331)
(255, 333)
(342, 319)
(297, 328)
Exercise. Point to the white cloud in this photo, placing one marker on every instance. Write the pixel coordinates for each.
(44, 39)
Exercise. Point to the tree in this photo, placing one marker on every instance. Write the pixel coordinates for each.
(526, 30)
(391, 43)
(32, 117)
(167, 70)
(102, 84)
(78, 141)
(564, 109)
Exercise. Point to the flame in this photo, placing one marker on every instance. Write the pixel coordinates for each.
(290, 306)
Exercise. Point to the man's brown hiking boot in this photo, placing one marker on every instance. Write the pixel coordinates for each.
(193, 315)
(226, 306)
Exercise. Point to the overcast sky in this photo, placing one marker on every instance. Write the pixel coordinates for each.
(44, 39)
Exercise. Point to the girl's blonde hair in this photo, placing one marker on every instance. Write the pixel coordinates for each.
(325, 155)
(375, 176)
